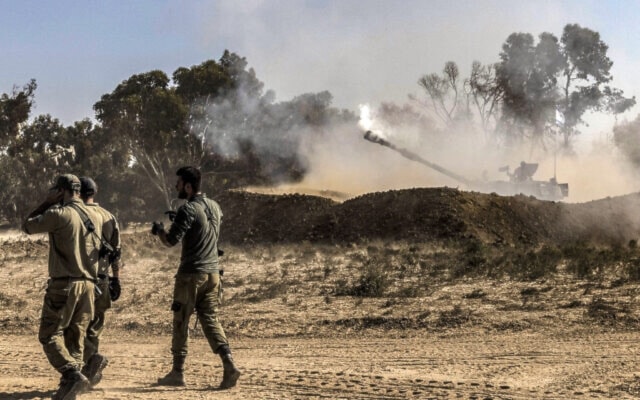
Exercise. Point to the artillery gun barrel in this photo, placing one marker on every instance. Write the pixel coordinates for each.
(372, 137)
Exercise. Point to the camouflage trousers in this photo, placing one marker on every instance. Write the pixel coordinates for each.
(96, 326)
(66, 313)
(199, 293)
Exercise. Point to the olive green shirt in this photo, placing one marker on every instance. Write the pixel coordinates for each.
(73, 250)
(110, 233)
(199, 234)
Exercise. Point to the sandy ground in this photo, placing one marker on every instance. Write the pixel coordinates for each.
(468, 365)
(295, 337)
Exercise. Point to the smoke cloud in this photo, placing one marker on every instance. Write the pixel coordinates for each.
(341, 161)
(374, 56)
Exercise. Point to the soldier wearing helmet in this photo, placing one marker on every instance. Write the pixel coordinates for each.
(109, 286)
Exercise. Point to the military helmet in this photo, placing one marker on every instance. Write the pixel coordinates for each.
(67, 182)
(88, 186)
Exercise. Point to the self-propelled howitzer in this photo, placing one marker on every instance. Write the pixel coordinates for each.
(520, 181)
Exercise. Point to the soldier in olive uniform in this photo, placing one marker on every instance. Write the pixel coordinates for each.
(197, 286)
(109, 286)
(73, 263)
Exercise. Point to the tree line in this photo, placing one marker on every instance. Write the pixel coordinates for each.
(537, 93)
(215, 115)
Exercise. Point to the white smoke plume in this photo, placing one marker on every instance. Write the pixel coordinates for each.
(342, 161)
(336, 158)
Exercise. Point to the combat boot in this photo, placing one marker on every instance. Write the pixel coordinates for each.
(230, 373)
(176, 376)
(71, 384)
(93, 368)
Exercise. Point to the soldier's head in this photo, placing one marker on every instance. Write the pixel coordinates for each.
(67, 183)
(188, 184)
(88, 188)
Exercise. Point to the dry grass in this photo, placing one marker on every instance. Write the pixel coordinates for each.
(308, 288)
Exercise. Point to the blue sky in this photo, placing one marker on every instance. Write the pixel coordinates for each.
(361, 51)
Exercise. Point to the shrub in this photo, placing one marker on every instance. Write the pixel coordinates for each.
(536, 265)
(267, 291)
(455, 317)
(475, 294)
(589, 262)
(633, 269)
(374, 280)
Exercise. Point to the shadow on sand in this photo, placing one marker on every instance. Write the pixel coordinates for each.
(32, 394)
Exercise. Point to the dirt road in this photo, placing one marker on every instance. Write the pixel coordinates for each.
(467, 365)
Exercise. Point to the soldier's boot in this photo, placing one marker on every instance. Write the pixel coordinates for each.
(230, 373)
(176, 376)
(71, 384)
(93, 368)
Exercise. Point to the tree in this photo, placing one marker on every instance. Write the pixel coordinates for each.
(38, 151)
(147, 118)
(527, 78)
(444, 94)
(204, 86)
(482, 87)
(14, 111)
(553, 78)
(251, 139)
(587, 70)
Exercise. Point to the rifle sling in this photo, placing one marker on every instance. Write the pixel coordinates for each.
(88, 223)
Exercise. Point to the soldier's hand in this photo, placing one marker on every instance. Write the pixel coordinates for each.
(156, 227)
(171, 215)
(114, 257)
(114, 288)
(54, 196)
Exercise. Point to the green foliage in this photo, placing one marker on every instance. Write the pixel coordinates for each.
(534, 82)
(14, 111)
(149, 126)
(148, 118)
(527, 76)
(567, 76)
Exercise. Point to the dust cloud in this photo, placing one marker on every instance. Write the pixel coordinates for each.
(343, 161)
(340, 162)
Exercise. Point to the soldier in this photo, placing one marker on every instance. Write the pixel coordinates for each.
(197, 284)
(109, 286)
(519, 173)
(73, 263)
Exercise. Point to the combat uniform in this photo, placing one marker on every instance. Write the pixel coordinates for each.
(197, 283)
(111, 234)
(73, 269)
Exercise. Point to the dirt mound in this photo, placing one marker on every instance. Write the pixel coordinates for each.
(415, 215)
(427, 214)
(252, 217)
